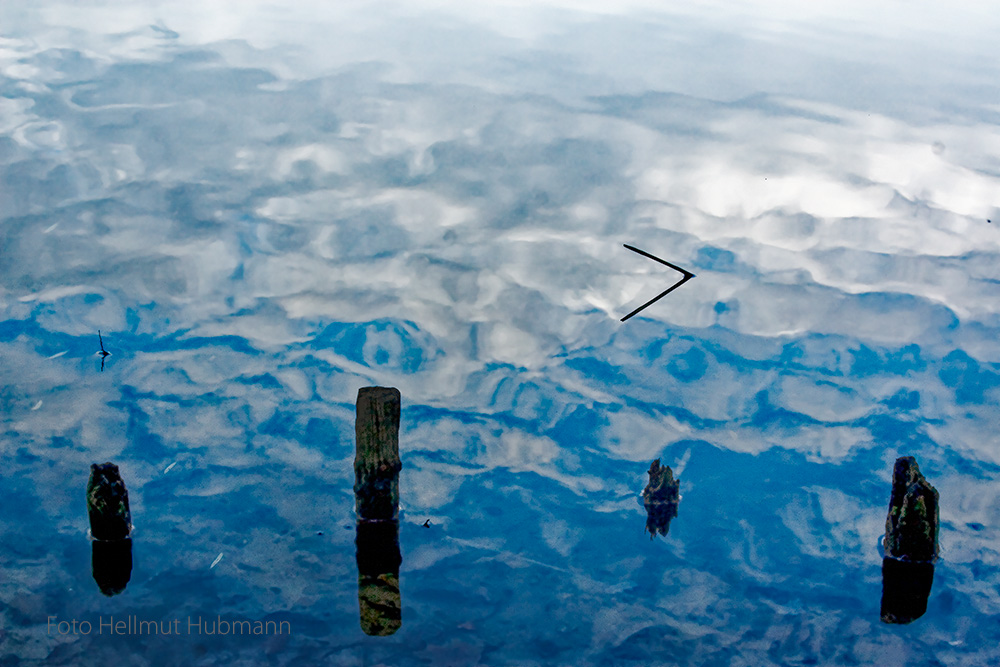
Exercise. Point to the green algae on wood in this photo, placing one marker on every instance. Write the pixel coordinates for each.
(379, 559)
(376, 460)
(379, 604)
(911, 527)
(107, 503)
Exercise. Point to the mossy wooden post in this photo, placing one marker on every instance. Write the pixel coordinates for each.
(376, 502)
(911, 544)
(110, 526)
(376, 459)
(107, 503)
(911, 527)
(660, 498)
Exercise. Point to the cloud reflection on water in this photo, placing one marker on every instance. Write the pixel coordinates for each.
(260, 230)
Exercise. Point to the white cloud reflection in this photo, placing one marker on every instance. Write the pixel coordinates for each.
(266, 207)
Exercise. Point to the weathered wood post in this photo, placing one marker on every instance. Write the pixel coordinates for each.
(107, 503)
(111, 527)
(376, 502)
(376, 459)
(911, 528)
(660, 497)
(911, 544)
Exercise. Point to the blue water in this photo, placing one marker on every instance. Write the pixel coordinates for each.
(264, 210)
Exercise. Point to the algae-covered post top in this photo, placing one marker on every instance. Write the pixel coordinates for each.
(376, 460)
(662, 487)
(107, 503)
(911, 528)
(660, 497)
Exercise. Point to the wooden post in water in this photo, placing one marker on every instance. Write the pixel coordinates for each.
(911, 528)
(107, 503)
(376, 459)
(111, 527)
(911, 544)
(376, 502)
(660, 497)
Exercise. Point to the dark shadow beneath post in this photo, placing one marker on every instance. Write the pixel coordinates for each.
(379, 559)
(905, 589)
(111, 563)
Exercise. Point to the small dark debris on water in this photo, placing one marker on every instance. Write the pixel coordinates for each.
(319, 532)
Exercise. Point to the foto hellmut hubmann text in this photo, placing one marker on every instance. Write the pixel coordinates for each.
(191, 625)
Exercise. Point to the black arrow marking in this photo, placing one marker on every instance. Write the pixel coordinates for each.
(104, 353)
(687, 276)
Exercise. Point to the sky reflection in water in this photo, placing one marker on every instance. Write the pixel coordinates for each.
(265, 210)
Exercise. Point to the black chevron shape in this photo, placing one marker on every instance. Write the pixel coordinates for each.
(687, 276)
(104, 353)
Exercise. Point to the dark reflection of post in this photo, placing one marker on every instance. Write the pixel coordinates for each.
(376, 497)
(661, 496)
(111, 563)
(905, 589)
(111, 527)
(378, 577)
(911, 547)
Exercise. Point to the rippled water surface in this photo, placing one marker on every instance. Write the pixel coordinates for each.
(264, 209)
